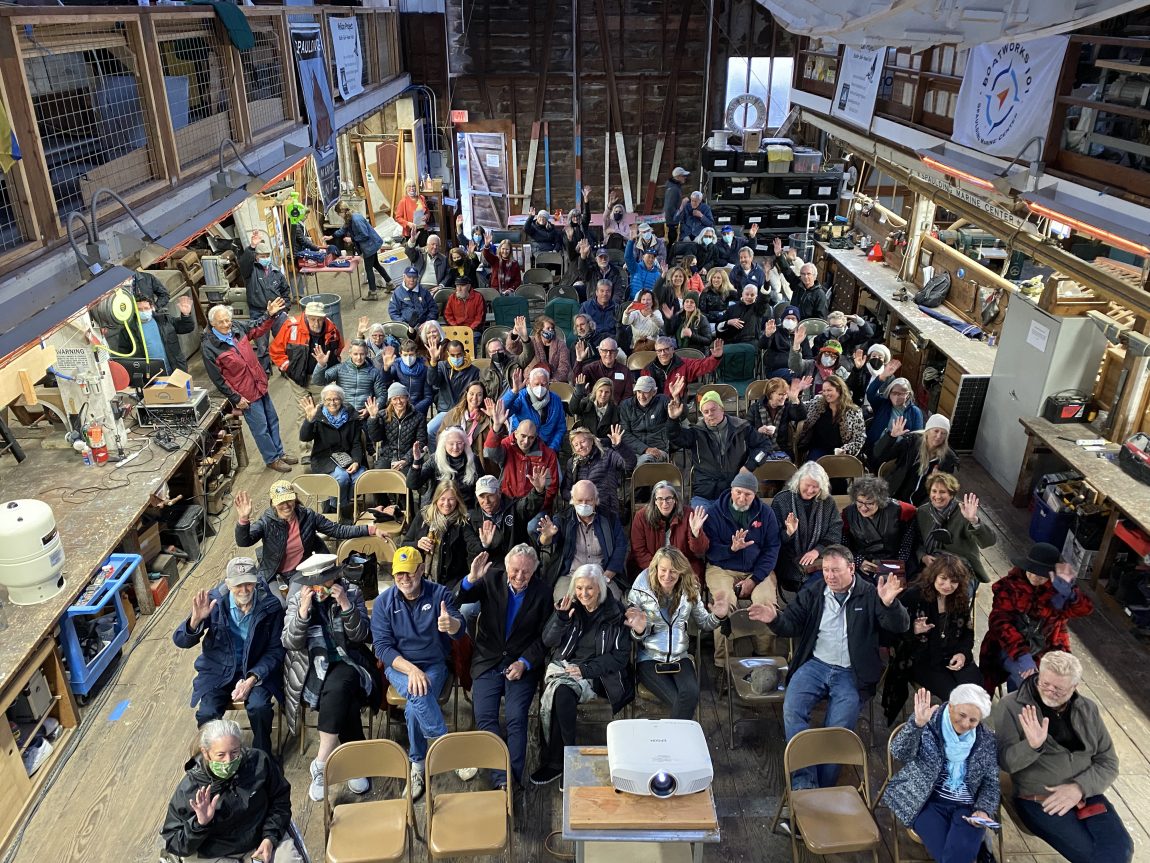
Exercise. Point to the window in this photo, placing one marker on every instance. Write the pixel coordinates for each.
(769, 78)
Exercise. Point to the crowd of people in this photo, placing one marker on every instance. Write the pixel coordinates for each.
(524, 555)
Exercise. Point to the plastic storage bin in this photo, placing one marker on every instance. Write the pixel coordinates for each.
(1049, 525)
(791, 189)
(783, 217)
(720, 160)
(807, 161)
(752, 163)
(779, 159)
(728, 215)
(83, 673)
(824, 189)
(734, 189)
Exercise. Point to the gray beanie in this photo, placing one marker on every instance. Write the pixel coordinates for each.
(745, 481)
(396, 390)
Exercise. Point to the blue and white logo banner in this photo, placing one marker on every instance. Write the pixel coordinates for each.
(1007, 94)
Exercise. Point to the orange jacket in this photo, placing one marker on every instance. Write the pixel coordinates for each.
(405, 211)
(290, 350)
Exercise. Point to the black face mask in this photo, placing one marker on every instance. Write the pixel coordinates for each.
(498, 358)
(876, 363)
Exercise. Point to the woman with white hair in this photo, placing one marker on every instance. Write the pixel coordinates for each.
(947, 788)
(891, 398)
(429, 337)
(336, 434)
(590, 658)
(232, 802)
(454, 461)
(810, 520)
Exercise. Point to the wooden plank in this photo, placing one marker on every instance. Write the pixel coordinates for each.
(602, 807)
(150, 74)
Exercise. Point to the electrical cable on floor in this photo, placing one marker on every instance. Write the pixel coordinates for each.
(558, 855)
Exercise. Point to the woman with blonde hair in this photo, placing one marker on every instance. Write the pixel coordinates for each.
(720, 294)
(443, 532)
(469, 416)
(834, 423)
(917, 455)
(669, 289)
(594, 409)
(810, 522)
(664, 598)
(506, 275)
(454, 461)
(689, 327)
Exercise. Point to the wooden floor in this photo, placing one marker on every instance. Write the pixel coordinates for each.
(106, 802)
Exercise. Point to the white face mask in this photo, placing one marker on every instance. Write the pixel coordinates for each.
(788, 324)
(827, 361)
(538, 391)
(584, 510)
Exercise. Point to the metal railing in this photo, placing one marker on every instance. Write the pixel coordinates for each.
(138, 100)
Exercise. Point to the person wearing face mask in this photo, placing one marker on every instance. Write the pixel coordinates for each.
(410, 370)
(618, 224)
(535, 402)
(449, 377)
(518, 455)
(542, 233)
(662, 522)
(1053, 742)
(648, 240)
(891, 399)
(663, 600)
(710, 254)
(779, 338)
(853, 332)
(585, 533)
(460, 268)
(237, 625)
(546, 348)
(264, 282)
(825, 364)
(605, 467)
(810, 523)
(231, 802)
(729, 245)
(329, 665)
(507, 660)
(496, 377)
(154, 333)
(642, 266)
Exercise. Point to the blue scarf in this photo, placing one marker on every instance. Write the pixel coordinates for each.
(957, 750)
(339, 419)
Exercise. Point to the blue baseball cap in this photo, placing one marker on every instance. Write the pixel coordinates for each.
(728, 229)
(411, 271)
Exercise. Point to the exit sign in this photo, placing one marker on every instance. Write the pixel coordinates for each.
(458, 116)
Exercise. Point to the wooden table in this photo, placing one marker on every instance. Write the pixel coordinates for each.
(587, 766)
(352, 274)
(1129, 498)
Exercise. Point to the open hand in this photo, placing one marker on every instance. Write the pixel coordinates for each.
(321, 356)
(717, 348)
(486, 533)
(889, 587)
(791, 524)
(371, 406)
(204, 805)
(1034, 729)
(636, 619)
(184, 304)
(615, 435)
(243, 505)
(897, 427)
(923, 710)
(566, 606)
(276, 306)
(697, 519)
(762, 613)
(202, 605)
(969, 508)
(309, 407)
(770, 328)
(739, 541)
(547, 530)
(540, 478)
(890, 368)
(859, 358)
(481, 565)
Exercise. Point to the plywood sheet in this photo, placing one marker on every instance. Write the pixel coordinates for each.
(601, 807)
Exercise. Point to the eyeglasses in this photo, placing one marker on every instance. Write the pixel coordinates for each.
(669, 499)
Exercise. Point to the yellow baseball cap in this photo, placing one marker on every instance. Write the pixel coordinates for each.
(407, 559)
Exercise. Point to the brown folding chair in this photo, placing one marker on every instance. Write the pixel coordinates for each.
(464, 335)
(315, 488)
(774, 472)
(640, 360)
(727, 393)
(896, 826)
(755, 391)
(842, 466)
(740, 668)
(834, 820)
(383, 481)
(647, 475)
(393, 699)
(368, 830)
(887, 468)
(382, 546)
(469, 823)
(539, 276)
(562, 389)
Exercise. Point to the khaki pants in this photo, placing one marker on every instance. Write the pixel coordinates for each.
(297, 393)
(766, 592)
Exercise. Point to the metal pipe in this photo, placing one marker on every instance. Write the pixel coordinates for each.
(95, 232)
(228, 142)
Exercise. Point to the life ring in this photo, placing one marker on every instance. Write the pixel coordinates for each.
(746, 100)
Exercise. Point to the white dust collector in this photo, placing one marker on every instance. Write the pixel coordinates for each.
(658, 757)
(31, 554)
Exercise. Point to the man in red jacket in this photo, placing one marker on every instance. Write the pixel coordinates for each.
(234, 368)
(293, 352)
(667, 368)
(519, 454)
(466, 308)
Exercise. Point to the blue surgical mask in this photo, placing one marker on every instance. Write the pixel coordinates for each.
(477, 238)
(146, 316)
(265, 262)
(708, 241)
(548, 335)
(456, 362)
(728, 238)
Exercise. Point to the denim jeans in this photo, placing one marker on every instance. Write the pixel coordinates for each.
(265, 428)
(258, 706)
(1100, 838)
(433, 427)
(486, 692)
(811, 683)
(424, 717)
(346, 483)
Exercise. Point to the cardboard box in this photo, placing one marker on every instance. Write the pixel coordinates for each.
(173, 389)
(752, 140)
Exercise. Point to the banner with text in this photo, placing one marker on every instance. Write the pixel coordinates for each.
(1007, 94)
(311, 66)
(856, 89)
(348, 59)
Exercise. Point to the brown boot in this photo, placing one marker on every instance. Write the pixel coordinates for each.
(280, 465)
(290, 460)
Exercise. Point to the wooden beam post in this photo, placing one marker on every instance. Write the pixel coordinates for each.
(613, 101)
(668, 107)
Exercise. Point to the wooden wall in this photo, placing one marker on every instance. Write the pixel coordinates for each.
(523, 62)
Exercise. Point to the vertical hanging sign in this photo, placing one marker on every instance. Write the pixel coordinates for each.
(347, 56)
(311, 67)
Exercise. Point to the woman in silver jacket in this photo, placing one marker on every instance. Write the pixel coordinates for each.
(664, 598)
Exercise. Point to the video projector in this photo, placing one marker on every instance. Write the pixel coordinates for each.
(658, 757)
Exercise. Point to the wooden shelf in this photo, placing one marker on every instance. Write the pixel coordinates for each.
(1120, 66)
(34, 729)
(806, 175)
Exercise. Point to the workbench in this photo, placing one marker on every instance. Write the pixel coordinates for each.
(97, 510)
(1128, 498)
(585, 766)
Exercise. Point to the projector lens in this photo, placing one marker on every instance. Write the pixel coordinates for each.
(662, 784)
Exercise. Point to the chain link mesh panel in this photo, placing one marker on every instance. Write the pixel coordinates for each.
(263, 77)
(13, 230)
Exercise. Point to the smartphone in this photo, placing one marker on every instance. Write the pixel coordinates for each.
(1088, 811)
(983, 822)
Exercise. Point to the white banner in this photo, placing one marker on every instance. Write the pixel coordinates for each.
(1007, 95)
(348, 60)
(856, 87)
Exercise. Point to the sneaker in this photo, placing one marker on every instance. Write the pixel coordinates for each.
(416, 783)
(784, 823)
(316, 789)
(466, 774)
(546, 775)
(36, 754)
(372, 296)
(359, 786)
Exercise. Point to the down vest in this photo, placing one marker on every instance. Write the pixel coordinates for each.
(357, 382)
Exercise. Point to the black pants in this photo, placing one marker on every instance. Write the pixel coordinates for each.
(564, 716)
(940, 681)
(372, 266)
(340, 701)
(680, 691)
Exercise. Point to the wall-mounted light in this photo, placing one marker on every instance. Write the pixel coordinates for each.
(1086, 217)
(986, 175)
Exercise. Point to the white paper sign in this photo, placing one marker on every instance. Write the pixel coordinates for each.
(348, 59)
(492, 160)
(1007, 95)
(1037, 336)
(856, 88)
